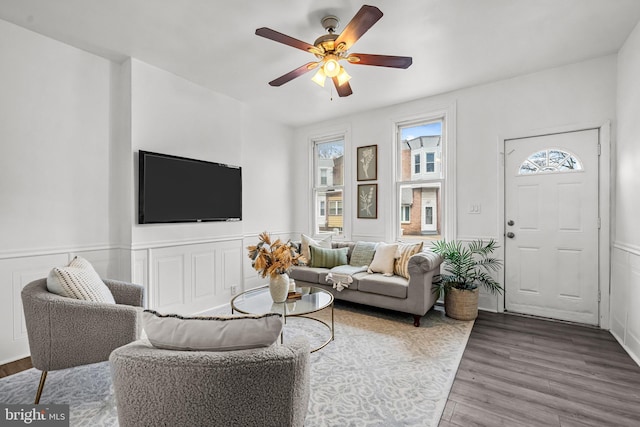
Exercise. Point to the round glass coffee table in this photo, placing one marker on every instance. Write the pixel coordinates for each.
(258, 301)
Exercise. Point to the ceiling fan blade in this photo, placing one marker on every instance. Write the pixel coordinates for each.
(380, 60)
(359, 24)
(270, 34)
(344, 90)
(293, 74)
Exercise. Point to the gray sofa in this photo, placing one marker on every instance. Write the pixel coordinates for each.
(413, 296)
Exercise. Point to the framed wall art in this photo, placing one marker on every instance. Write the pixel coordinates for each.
(368, 201)
(367, 158)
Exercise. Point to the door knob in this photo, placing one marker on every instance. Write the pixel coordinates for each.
(511, 235)
(510, 222)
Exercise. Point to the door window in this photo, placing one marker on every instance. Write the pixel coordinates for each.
(550, 160)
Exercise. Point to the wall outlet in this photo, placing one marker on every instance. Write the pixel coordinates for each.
(234, 289)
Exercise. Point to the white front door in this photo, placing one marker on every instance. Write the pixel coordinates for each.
(551, 215)
(429, 210)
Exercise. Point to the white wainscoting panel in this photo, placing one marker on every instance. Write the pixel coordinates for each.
(170, 278)
(231, 263)
(140, 272)
(632, 336)
(18, 271)
(619, 291)
(189, 278)
(203, 270)
(625, 298)
(105, 262)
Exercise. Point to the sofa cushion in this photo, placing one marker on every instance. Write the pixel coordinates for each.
(327, 258)
(384, 258)
(216, 333)
(356, 280)
(308, 274)
(80, 281)
(307, 241)
(405, 251)
(392, 286)
(362, 254)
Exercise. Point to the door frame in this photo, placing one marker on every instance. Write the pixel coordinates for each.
(605, 195)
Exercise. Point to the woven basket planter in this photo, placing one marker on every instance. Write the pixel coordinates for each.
(461, 304)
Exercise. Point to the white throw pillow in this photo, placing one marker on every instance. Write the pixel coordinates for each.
(80, 281)
(384, 259)
(310, 241)
(217, 333)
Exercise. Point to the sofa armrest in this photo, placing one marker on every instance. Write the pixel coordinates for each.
(126, 293)
(423, 266)
(81, 332)
(423, 262)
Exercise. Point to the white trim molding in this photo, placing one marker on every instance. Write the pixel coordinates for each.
(627, 247)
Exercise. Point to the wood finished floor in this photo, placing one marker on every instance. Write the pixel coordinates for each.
(519, 371)
(15, 367)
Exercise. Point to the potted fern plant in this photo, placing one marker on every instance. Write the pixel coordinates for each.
(465, 268)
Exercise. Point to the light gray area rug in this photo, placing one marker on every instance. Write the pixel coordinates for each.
(379, 371)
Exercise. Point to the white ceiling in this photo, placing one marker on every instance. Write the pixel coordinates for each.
(454, 43)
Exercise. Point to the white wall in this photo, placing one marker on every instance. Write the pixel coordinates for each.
(191, 267)
(55, 126)
(625, 266)
(171, 115)
(71, 124)
(572, 95)
(55, 168)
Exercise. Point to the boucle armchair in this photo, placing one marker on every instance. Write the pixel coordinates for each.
(266, 386)
(66, 332)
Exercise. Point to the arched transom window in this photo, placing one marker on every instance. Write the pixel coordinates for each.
(550, 160)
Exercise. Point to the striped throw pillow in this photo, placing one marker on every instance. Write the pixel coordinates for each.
(328, 258)
(80, 281)
(405, 251)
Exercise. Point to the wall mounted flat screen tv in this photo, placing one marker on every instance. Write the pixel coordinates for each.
(178, 189)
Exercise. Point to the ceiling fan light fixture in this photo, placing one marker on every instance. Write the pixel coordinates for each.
(331, 48)
(319, 77)
(331, 66)
(343, 76)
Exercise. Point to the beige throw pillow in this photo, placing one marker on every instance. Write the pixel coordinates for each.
(215, 333)
(80, 281)
(307, 241)
(383, 259)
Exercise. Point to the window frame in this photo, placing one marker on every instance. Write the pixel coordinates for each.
(324, 177)
(447, 182)
(336, 207)
(314, 141)
(427, 162)
(417, 164)
(402, 215)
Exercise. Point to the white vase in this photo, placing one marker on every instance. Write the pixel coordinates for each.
(279, 287)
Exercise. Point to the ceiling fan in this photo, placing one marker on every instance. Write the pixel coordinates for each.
(332, 48)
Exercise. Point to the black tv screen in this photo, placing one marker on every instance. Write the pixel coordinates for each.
(178, 189)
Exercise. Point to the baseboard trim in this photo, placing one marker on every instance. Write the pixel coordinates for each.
(626, 348)
(15, 367)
